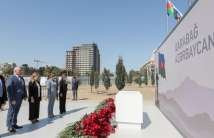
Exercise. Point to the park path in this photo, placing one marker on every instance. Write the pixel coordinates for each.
(155, 124)
(46, 128)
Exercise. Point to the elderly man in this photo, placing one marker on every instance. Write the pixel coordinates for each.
(16, 93)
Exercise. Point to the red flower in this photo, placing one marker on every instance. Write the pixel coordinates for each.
(97, 124)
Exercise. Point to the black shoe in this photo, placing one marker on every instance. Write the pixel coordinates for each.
(33, 121)
(12, 130)
(17, 127)
(51, 116)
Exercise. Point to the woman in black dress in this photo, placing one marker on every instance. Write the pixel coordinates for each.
(62, 94)
(34, 90)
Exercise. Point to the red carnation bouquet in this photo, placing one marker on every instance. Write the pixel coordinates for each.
(97, 124)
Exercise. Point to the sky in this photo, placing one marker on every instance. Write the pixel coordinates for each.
(45, 29)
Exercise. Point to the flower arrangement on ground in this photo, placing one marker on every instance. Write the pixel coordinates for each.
(94, 125)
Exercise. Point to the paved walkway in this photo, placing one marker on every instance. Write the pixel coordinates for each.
(155, 124)
(46, 128)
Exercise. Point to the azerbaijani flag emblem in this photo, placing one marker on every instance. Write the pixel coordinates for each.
(161, 65)
(170, 8)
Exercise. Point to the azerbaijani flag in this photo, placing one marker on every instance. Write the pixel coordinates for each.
(177, 14)
(170, 8)
(161, 65)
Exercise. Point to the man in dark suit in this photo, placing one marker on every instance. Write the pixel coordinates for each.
(3, 92)
(16, 93)
(75, 84)
(62, 94)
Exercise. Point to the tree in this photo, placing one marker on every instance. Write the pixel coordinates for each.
(130, 77)
(50, 69)
(145, 81)
(120, 75)
(96, 79)
(47, 70)
(41, 71)
(7, 69)
(92, 78)
(27, 69)
(126, 78)
(56, 71)
(106, 78)
(153, 78)
(139, 81)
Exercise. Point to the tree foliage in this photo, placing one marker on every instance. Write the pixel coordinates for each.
(139, 81)
(153, 78)
(130, 77)
(27, 70)
(120, 75)
(7, 69)
(92, 78)
(145, 81)
(106, 78)
(96, 79)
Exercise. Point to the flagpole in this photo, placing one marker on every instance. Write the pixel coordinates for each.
(167, 21)
(190, 3)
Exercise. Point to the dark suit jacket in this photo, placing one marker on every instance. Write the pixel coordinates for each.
(4, 97)
(16, 87)
(75, 84)
(63, 87)
(33, 91)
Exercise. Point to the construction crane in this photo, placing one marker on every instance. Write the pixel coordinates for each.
(37, 61)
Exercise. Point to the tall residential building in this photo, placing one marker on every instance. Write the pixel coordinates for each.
(81, 59)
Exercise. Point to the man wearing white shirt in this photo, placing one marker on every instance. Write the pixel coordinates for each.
(16, 93)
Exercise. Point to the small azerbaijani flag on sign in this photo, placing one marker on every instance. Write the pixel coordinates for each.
(161, 65)
(177, 14)
(172, 10)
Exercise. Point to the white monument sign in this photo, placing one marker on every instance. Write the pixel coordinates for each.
(129, 109)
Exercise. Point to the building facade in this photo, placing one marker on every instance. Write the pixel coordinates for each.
(82, 59)
(149, 67)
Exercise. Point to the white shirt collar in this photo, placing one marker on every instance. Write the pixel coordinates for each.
(19, 77)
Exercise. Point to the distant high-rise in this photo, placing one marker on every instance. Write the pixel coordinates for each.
(81, 59)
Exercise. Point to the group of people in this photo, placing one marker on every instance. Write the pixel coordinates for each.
(14, 89)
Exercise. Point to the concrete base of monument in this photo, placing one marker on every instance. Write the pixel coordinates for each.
(155, 125)
(137, 118)
(129, 109)
(129, 126)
